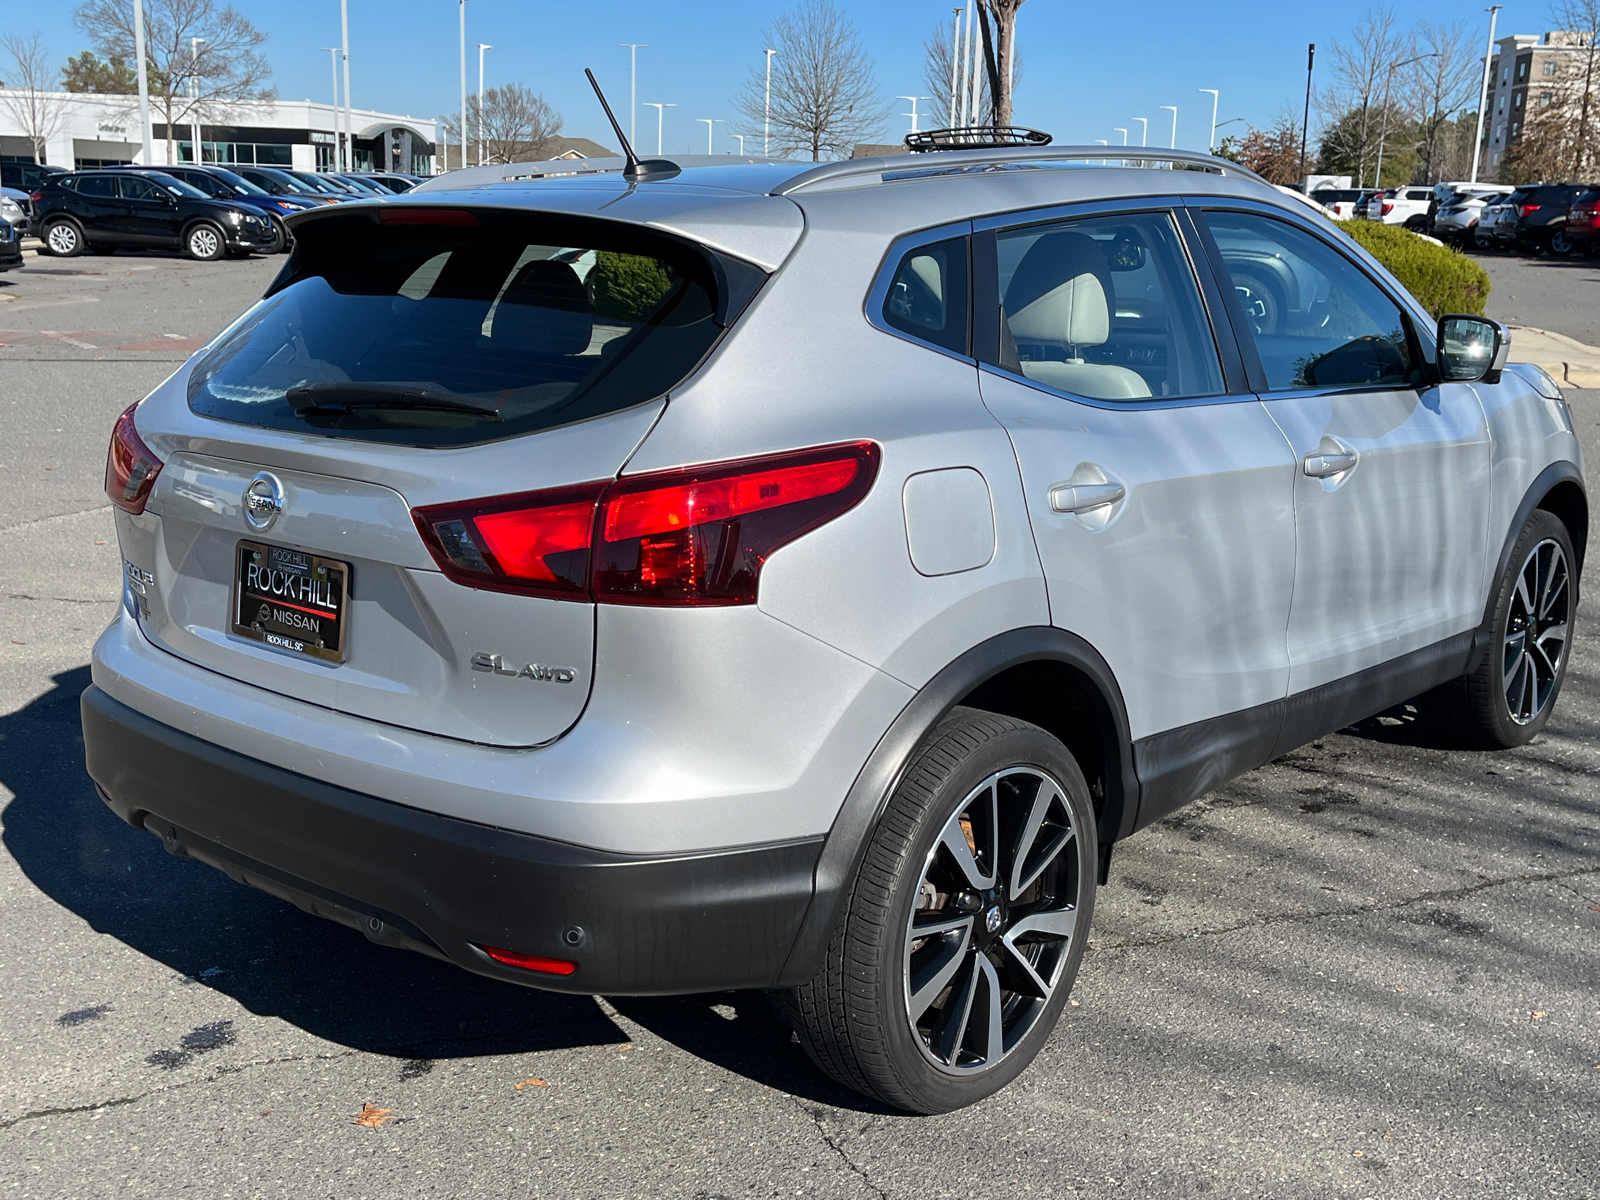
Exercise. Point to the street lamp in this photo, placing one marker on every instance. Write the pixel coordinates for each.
(633, 49)
(1383, 129)
(1144, 129)
(766, 113)
(710, 126)
(1212, 141)
(145, 134)
(660, 113)
(462, 4)
(345, 151)
(1483, 94)
(1122, 131)
(333, 63)
(1174, 143)
(913, 114)
(482, 46)
(194, 98)
(740, 136)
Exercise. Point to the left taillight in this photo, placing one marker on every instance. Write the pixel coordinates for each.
(131, 466)
(692, 537)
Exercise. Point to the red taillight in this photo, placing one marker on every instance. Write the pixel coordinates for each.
(426, 216)
(696, 536)
(1524, 209)
(35, 197)
(531, 962)
(535, 543)
(700, 536)
(1388, 207)
(131, 466)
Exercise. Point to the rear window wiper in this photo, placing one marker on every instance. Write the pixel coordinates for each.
(308, 398)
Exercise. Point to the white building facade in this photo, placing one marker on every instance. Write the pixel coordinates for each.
(96, 130)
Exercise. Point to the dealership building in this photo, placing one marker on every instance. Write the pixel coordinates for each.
(97, 131)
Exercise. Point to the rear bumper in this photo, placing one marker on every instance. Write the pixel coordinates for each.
(445, 886)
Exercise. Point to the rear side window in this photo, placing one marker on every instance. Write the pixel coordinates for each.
(927, 296)
(475, 326)
(97, 185)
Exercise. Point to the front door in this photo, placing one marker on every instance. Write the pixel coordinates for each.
(1162, 505)
(1392, 470)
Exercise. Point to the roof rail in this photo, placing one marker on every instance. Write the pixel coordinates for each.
(964, 162)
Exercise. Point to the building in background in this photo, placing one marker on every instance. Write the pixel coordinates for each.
(1529, 75)
(101, 131)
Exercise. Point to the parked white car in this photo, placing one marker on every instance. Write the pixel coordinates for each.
(1460, 213)
(1340, 202)
(1412, 207)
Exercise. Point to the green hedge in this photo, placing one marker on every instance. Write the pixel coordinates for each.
(1445, 280)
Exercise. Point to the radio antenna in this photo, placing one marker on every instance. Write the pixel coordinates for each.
(635, 171)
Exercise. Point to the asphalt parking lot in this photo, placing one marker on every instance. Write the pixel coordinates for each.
(1371, 969)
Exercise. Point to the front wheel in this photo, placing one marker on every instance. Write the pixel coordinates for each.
(204, 242)
(967, 923)
(63, 239)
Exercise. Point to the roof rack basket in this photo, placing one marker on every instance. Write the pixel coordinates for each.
(974, 137)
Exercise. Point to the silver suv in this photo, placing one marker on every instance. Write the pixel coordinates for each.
(800, 577)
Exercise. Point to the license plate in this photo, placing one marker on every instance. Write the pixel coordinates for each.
(291, 600)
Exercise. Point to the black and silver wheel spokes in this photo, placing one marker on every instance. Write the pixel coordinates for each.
(993, 922)
(1535, 637)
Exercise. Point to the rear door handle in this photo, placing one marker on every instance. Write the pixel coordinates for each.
(1331, 457)
(1082, 497)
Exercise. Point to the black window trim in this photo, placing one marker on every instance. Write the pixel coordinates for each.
(986, 294)
(883, 279)
(1414, 316)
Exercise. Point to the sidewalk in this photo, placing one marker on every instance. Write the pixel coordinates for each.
(1569, 361)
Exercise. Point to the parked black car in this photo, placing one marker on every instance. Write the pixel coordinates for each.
(277, 182)
(392, 180)
(10, 246)
(222, 184)
(144, 209)
(27, 176)
(1542, 216)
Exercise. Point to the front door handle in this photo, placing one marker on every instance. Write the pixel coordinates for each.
(1083, 497)
(1331, 457)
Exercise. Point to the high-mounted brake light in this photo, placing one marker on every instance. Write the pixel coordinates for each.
(131, 466)
(426, 216)
(531, 962)
(694, 536)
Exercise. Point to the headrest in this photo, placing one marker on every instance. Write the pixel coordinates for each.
(544, 311)
(1061, 292)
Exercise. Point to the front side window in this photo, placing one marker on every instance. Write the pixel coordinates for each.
(1316, 319)
(138, 189)
(469, 327)
(927, 296)
(1106, 308)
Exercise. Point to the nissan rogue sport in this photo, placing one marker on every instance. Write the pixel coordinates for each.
(796, 577)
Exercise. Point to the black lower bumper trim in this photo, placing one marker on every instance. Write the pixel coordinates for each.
(445, 886)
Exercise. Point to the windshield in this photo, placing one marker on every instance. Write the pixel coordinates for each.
(238, 182)
(177, 187)
(364, 186)
(492, 325)
(317, 183)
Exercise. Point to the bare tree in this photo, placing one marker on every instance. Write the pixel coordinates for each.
(825, 98)
(31, 100)
(1001, 55)
(1579, 90)
(226, 73)
(1442, 81)
(1363, 70)
(517, 124)
(940, 57)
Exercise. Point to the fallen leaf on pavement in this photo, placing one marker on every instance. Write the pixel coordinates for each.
(1594, 908)
(1539, 1016)
(372, 1117)
(1359, 1153)
(531, 1082)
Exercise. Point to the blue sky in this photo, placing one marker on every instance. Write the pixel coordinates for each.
(1087, 67)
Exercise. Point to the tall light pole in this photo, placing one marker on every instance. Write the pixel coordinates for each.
(194, 98)
(482, 46)
(1212, 140)
(660, 113)
(740, 136)
(710, 126)
(462, 5)
(1174, 143)
(333, 66)
(913, 114)
(1305, 119)
(1144, 129)
(1483, 92)
(955, 66)
(1383, 128)
(346, 152)
(144, 84)
(633, 49)
(1122, 131)
(766, 113)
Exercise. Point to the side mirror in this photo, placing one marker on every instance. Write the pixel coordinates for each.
(1472, 348)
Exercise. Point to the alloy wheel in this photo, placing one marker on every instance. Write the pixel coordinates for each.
(1560, 243)
(1535, 639)
(62, 238)
(204, 243)
(992, 925)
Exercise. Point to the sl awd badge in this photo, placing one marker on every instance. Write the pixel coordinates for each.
(492, 664)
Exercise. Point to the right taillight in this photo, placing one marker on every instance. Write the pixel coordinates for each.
(690, 537)
(131, 466)
(1525, 209)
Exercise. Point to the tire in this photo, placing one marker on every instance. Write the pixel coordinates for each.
(204, 241)
(280, 238)
(1509, 698)
(63, 239)
(1483, 241)
(1560, 243)
(987, 799)
(1260, 302)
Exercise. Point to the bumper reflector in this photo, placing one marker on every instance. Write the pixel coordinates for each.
(531, 962)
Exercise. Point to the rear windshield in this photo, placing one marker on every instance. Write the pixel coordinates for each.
(489, 326)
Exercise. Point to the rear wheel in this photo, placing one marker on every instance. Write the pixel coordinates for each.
(1508, 699)
(204, 242)
(1560, 243)
(966, 925)
(63, 239)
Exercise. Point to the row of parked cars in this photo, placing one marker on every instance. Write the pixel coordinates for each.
(1553, 218)
(207, 212)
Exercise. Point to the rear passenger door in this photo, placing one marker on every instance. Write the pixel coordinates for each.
(1161, 493)
(1392, 470)
(100, 209)
(152, 214)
